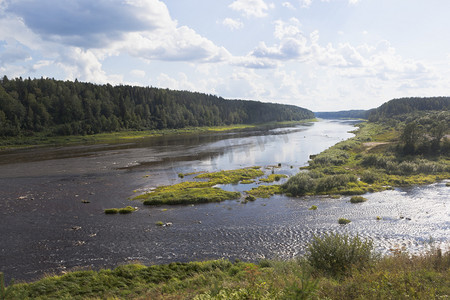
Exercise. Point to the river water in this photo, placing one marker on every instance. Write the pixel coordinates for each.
(52, 201)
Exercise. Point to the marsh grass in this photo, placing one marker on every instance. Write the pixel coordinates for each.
(357, 199)
(124, 210)
(265, 191)
(335, 267)
(191, 192)
(344, 221)
(273, 177)
(232, 176)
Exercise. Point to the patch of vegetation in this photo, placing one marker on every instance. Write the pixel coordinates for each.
(313, 207)
(124, 210)
(180, 175)
(338, 254)
(232, 176)
(190, 196)
(247, 181)
(265, 191)
(273, 177)
(250, 198)
(191, 192)
(335, 267)
(357, 199)
(343, 221)
(375, 160)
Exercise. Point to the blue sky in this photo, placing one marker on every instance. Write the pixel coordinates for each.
(320, 54)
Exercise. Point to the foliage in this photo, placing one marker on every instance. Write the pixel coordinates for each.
(338, 254)
(58, 107)
(402, 106)
(398, 276)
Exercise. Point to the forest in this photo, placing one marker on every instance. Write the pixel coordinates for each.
(400, 108)
(55, 107)
(344, 114)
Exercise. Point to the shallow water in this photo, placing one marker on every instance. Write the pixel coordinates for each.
(45, 227)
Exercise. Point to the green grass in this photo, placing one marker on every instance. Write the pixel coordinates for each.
(232, 176)
(191, 192)
(191, 196)
(273, 177)
(357, 199)
(124, 210)
(313, 207)
(265, 191)
(334, 267)
(46, 138)
(343, 221)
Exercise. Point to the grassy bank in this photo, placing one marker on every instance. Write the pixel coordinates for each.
(46, 139)
(369, 162)
(334, 267)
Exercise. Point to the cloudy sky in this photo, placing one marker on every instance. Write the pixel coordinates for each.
(320, 54)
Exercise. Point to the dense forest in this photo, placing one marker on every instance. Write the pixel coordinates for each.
(59, 107)
(344, 114)
(398, 107)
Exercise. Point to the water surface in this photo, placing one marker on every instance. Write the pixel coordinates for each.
(45, 227)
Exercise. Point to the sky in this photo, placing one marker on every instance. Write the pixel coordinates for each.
(324, 55)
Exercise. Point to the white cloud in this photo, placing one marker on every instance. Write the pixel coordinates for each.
(288, 5)
(232, 24)
(250, 8)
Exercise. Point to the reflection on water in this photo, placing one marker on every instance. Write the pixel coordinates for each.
(47, 226)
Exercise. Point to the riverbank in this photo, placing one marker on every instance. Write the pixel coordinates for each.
(369, 162)
(44, 139)
(397, 276)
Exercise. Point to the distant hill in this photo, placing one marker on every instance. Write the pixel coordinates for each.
(403, 106)
(65, 108)
(344, 114)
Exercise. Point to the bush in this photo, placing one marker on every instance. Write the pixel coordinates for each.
(328, 183)
(357, 199)
(299, 184)
(336, 255)
(370, 176)
(111, 211)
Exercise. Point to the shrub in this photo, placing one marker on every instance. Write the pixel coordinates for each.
(334, 181)
(313, 207)
(299, 184)
(357, 199)
(337, 254)
(370, 176)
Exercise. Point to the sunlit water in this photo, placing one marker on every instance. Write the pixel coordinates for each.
(45, 226)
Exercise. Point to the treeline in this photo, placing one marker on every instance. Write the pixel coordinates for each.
(398, 107)
(344, 114)
(59, 107)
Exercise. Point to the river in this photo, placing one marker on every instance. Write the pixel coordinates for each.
(52, 201)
